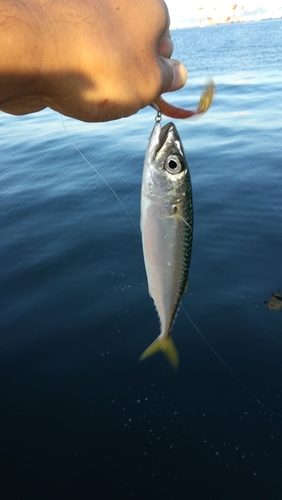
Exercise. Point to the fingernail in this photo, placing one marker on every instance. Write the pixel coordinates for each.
(180, 75)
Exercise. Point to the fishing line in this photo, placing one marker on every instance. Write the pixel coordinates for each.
(188, 316)
(100, 175)
(228, 367)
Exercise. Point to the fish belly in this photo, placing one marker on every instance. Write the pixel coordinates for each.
(167, 249)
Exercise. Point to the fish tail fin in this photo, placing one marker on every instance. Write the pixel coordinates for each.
(167, 347)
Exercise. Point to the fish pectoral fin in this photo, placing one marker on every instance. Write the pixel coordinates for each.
(167, 347)
(178, 215)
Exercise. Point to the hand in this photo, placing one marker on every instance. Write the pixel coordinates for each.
(94, 60)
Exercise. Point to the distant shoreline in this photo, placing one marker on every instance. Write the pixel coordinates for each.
(219, 23)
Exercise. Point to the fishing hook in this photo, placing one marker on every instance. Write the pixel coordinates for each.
(157, 109)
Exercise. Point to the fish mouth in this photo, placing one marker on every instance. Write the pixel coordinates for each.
(168, 133)
(168, 139)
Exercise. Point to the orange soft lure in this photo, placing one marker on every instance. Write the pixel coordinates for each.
(174, 112)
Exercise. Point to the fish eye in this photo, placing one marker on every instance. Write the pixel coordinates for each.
(173, 165)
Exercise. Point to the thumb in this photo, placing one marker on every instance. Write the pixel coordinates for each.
(175, 74)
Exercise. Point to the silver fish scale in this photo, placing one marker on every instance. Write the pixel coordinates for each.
(166, 224)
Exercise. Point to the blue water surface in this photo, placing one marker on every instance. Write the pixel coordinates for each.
(80, 417)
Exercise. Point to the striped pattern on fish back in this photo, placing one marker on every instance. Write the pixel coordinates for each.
(184, 251)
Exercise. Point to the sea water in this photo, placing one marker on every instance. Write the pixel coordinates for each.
(80, 418)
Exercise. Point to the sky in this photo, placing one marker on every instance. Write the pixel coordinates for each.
(183, 10)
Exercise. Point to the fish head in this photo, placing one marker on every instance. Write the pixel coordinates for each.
(165, 168)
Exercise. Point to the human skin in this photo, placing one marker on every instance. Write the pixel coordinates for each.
(93, 60)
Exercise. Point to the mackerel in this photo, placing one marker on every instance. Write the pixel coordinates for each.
(167, 230)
